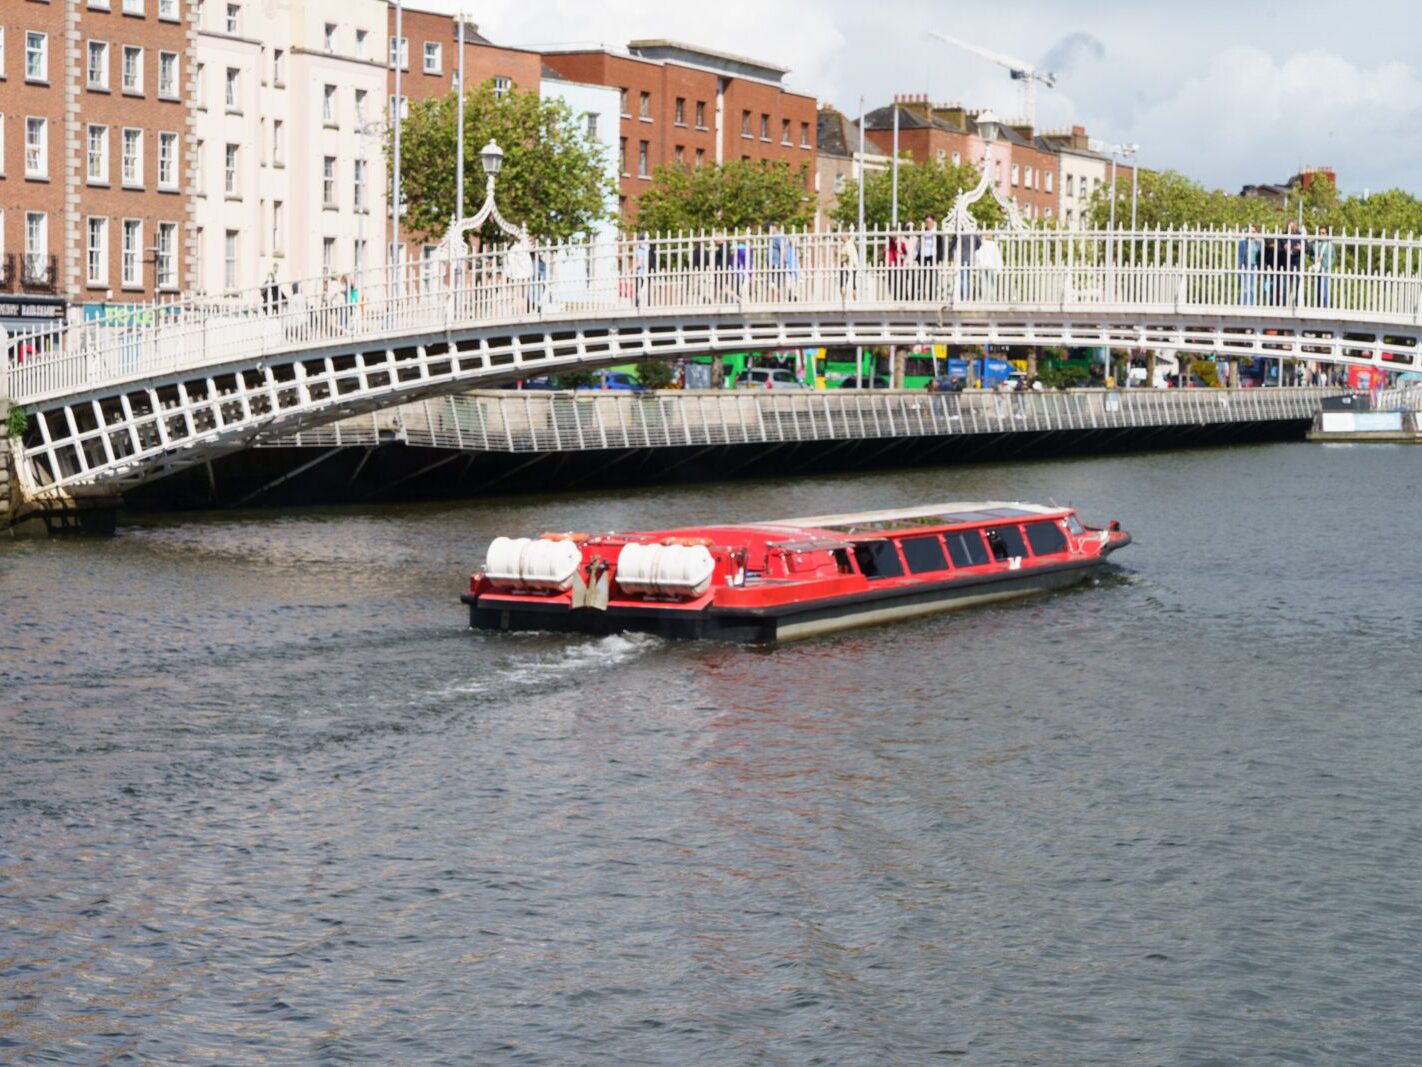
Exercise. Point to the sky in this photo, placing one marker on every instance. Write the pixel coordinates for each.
(1227, 93)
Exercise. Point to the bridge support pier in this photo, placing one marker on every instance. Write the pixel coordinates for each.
(94, 513)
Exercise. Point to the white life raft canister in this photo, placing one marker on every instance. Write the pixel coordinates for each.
(665, 570)
(525, 563)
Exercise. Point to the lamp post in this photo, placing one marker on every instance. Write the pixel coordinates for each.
(395, 118)
(459, 125)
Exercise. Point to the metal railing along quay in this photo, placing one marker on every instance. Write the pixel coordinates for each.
(537, 421)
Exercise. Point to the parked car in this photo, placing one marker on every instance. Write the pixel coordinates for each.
(877, 382)
(541, 382)
(949, 384)
(615, 379)
(768, 378)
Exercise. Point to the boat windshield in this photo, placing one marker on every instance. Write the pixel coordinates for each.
(878, 559)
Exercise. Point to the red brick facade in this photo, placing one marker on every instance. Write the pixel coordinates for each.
(433, 57)
(117, 136)
(669, 115)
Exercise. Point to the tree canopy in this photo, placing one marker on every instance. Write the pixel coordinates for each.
(924, 189)
(1169, 199)
(552, 180)
(739, 195)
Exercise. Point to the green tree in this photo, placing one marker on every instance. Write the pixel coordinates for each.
(924, 189)
(740, 195)
(552, 179)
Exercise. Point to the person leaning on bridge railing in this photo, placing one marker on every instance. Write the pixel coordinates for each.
(1247, 259)
(1321, 266)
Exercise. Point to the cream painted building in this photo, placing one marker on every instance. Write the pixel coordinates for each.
(290, 107)
(1081, 172)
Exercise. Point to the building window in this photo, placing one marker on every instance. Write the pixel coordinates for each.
(168, 10)
(328, 255)
(234, 18)
(328, 105)
(166, 265)
(133, 7)
(784, 131)
(362, 44)
(98, 168)
(502, 85)
(957, 159)
(404, 107)
(701, 114)
(279, 67)
(229, 261)
(1027, 177)
(680, 153)
(97, 256)
(1047, 176)
(132, 69)
(680, 117)
(36, 57)
(644, 107)
(700, 156)
(277, 228)
(168, 75)
(1014, 174)
(360, 109)
(622, 104)
(36, 243)
(745, 123)
(234, 89)
(360, 256)
(358, 184)
(168, 161)
(400, 52)
(330, 38)
(838, 184)
(804, 135)
(36, 147)
(591, 119)
(432, 57)
(230, 160)
(328, 181)
(99, 65)
(942, 156)
(642, 149)
(765, 127)
(622, 156)
(199, 154)
(130, 263)
(278, 137)
(131, 165)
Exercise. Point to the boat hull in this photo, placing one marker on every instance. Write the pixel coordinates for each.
(783, 623)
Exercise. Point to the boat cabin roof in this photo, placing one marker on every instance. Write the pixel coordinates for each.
(906, 519)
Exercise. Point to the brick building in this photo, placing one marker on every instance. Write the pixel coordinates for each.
(429, 57)
(837, 161)
(682, 104)
(95, 131)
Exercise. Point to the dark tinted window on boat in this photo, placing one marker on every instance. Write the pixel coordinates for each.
(878, 559)
(1046, 538)
(924, 554)
(966, 548)
(1012, 540)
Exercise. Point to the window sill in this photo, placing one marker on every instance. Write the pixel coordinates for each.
(232, 198)
(37, 81)
(703, 129)
(95, 87)
(643, 118)
(278, 85)
(679, 125)
(330, 126)
(134, 93)
(169, 189)
(132, 287)
(36, 177)
(135, 187)
(330, 207)
(234, 111)
(96, 183)
(173, 98)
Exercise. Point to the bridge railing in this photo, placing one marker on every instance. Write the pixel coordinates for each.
(1370, 280)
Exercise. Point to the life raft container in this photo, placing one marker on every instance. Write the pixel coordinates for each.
(525, 563)
(682, 571)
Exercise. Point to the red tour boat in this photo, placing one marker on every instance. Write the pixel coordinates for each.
(768, 581)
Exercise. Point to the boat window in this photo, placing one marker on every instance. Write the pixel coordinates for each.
(878, 559)
(924, 554)
(1012, 540)
(841, 561)
(1073, 524)
(966, 548)
(1045, 538)
(995, 545)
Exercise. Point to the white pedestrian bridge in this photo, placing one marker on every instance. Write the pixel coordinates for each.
(137, 392)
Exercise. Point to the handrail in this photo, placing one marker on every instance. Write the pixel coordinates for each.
(1373, 283)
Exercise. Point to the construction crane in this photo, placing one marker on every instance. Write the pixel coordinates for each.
(1020, 70)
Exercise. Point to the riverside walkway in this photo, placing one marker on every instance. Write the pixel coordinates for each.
(145, 391)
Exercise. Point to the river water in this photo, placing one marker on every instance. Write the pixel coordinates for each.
(265, 798)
